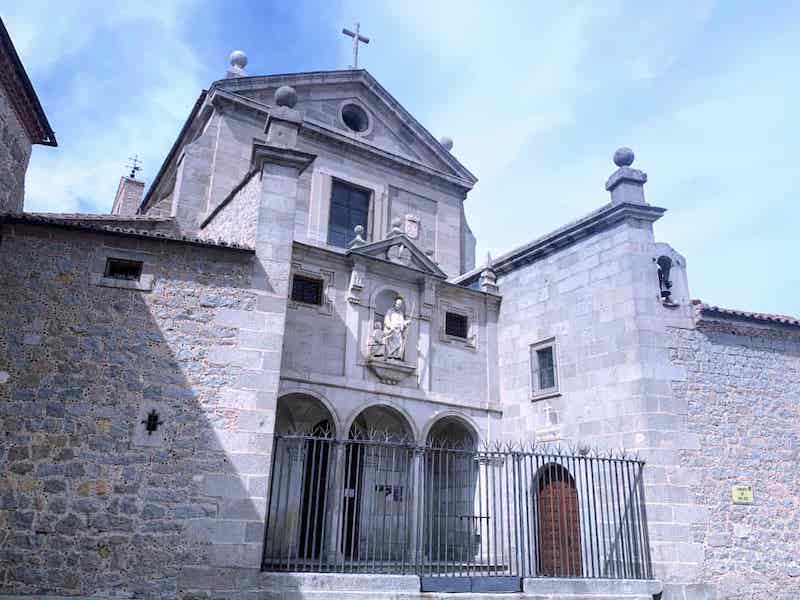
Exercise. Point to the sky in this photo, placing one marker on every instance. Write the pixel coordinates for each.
(536, 96)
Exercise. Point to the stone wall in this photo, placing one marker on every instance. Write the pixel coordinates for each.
(598, 298)
(741, 393)
(217, 159)
(89, 501)
(15, 152)
(327, 344)
(237, 221)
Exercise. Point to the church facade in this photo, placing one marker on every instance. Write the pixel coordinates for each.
(282, 375)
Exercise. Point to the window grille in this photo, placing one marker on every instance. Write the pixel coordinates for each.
(306, 290)
(456, 325)
(461, 518)
(119, 268)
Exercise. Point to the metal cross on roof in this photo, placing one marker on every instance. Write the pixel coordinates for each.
(357, 37)
(134, 165)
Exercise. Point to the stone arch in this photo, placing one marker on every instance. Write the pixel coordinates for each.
(301, 472)
(557, 509)
(377, 473)
(301, 409)
(377, 414)
(451, 485)
(382, 299)
(453, 419)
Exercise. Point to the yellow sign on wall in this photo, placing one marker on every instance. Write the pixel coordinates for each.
(742, 494)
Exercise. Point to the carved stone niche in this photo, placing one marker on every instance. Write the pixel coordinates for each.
(391, 341)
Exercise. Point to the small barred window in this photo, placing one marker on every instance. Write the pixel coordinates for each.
(455, 325)
(306, 290)
(118, 268)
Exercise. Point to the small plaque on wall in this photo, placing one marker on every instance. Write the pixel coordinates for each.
(742, 494)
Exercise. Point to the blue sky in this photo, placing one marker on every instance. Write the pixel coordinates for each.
(536, 96)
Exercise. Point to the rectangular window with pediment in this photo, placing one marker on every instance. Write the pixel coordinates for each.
(349, 208)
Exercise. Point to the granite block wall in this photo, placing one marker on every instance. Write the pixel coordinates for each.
(742, 394)
(15, 152)
(237, 220)
(89, 501)
(599, 300)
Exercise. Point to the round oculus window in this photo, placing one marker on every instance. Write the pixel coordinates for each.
(355, 118)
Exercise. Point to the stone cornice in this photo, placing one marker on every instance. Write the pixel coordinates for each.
(603, 218)
(287, 157)
(372, 248)
(312, 130)
(218, 97)
(362, 76)
(412, 273)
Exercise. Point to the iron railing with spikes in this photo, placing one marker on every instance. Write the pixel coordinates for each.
(376, 503)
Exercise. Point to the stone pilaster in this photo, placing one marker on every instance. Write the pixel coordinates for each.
(279, 168)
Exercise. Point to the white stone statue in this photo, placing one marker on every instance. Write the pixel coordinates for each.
(376, 346)
(395, 331)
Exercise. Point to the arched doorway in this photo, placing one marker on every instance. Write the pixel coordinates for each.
(559, 523)
(301, 474)
(453, 524)
(377, 463)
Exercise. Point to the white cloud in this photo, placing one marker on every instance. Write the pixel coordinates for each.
(127, 78)
(538, 95)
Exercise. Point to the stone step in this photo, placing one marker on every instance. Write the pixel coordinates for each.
(332, 586)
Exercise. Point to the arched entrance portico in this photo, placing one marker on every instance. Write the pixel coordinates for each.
(305, 432)
(377, 461)
(452, 525)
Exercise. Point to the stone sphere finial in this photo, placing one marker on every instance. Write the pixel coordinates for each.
(286, 95)
(238, 59)
(396, 225)
(358, 229)
(623, 157)
(447, 143)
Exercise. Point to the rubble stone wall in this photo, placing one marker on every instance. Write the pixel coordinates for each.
(90, 502)
(742, 394)
(15, 152)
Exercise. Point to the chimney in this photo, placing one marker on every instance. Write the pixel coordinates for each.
(626, 184)
(129, 196)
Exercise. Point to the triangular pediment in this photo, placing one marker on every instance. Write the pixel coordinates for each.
(391, 129)
(400, 250)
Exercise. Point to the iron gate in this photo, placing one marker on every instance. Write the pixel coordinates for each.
(461, 519)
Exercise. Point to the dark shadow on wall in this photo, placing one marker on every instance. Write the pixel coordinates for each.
(89, 501)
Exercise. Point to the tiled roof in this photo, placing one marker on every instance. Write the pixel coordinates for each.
(82, 222)
(708, 309)
(100, 217)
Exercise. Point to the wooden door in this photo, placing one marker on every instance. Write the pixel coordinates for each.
(559, 530)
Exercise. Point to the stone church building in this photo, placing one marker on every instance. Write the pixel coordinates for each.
(281, 373)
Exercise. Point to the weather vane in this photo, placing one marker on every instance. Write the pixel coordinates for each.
(357, 37)
(134, 165)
